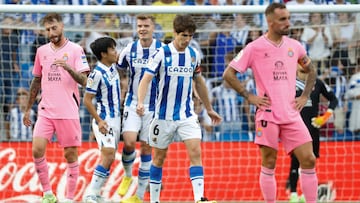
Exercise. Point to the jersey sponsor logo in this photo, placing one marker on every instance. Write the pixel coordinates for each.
(279, 65)
(180, 71)
(54, 74)
(279, 72)
(139, 62)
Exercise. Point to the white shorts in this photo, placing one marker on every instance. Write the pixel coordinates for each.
(132, 122)
(111, 139)
(162, 132)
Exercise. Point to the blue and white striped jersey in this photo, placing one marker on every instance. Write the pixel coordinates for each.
(104, 82)
(18, 131)
(225, 102)
(174, 71)
(136, 58)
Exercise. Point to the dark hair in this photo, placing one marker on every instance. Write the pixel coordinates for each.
(224, 17)
(109, 3)
(51, 17)
(101, 45)
(271, 8)
(184, 23)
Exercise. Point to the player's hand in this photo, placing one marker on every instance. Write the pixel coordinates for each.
(62, 63)
(26, 119)
(300, 102)
(319, 121)
(140, 109)
(259, 102)
(215, 117)
(103, 127)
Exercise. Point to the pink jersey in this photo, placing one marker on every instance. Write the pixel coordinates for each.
(59, 91)
(274, 68)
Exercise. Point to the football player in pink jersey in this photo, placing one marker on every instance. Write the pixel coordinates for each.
(274, 58)
(59, 67)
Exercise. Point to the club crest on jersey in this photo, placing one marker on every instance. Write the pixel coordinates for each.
(259, 132)
(290, 52)
(193, 61)
(167, 59)
(65, 57)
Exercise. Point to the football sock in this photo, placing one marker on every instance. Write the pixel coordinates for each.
(98, 179)
(197, 181)
(42, 170)
(309, 184)
(155, 183)
(144, 175)
(268, 184)
(127, 161)
(72, 177)
(294, 176)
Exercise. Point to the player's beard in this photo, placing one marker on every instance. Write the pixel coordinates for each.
(56, 39)
(285, 31)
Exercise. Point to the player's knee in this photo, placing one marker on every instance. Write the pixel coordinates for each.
(145, 148)
(129, 145)
(70, 154)
(38, 152)
(108, 158)
(159, 160)
(308, 161)
(270, 163)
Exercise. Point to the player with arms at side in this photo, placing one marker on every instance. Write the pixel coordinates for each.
(135, 57)
(176, 66)
(104, 84)
(313, 122)
(273, 59)
(59, 67)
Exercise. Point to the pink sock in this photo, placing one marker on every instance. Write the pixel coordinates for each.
(72, 176)
(42, 169)
(309, 184)
(268, 184)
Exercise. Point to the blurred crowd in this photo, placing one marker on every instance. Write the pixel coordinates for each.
(331, 39)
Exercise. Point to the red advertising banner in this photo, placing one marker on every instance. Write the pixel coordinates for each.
(231, 172)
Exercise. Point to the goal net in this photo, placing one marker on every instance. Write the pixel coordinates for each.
(231, 160)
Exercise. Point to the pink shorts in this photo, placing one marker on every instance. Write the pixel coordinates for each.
(291, 135)
(67, 131)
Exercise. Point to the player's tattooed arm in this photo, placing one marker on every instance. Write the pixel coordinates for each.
(80, 78)
(309, 68)
(35, 87)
